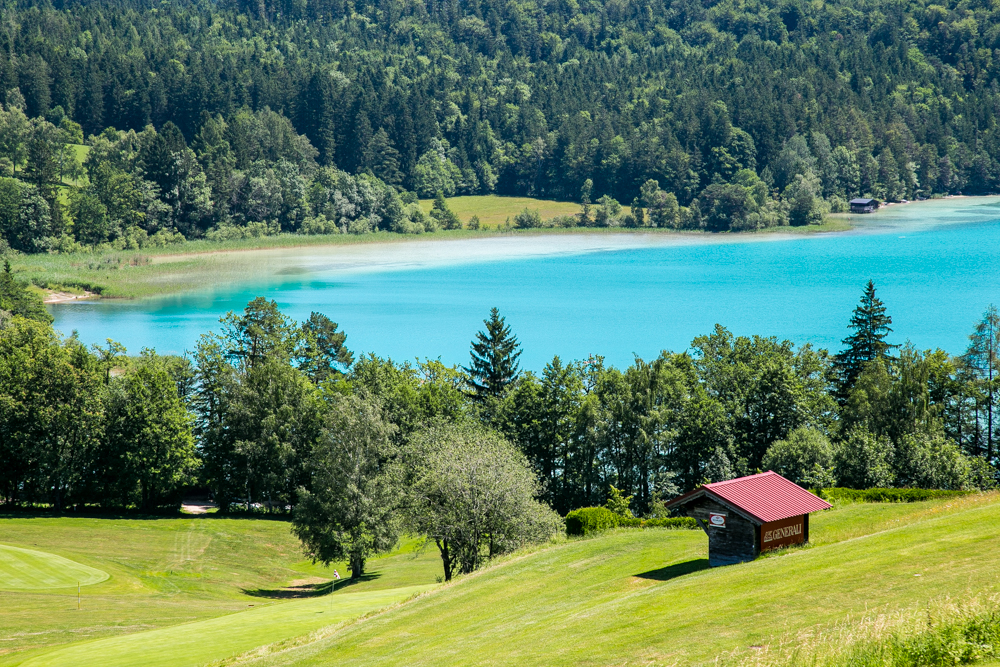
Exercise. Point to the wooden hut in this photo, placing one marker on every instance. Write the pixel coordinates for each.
(748, 515)
(864, 205)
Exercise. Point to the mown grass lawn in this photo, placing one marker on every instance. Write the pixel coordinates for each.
(168, 571)
(630, 597)
(29, 570)
(201, 642)
(647, 597)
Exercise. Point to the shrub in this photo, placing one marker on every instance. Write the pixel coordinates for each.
(319, 224)
(618, 503)
(566, 221)
(528, 219)
(862, 460)
(589, 520)
(444, 216)
(886, 495)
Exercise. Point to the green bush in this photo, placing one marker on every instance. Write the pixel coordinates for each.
(528, 219)
(886, 495)
(589, 520)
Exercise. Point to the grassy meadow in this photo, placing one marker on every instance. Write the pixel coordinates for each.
(197, 591)
(648, 597)
(493, 210)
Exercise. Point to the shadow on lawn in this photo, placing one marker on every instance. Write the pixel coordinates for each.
(307, 590)
(676, 570)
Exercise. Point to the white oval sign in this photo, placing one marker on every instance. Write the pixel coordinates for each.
(717, 520)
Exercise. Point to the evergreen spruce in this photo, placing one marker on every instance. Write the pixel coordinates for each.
(494, 359)
(382, 158)
(871, 326)
(444, 216)
(982, 359)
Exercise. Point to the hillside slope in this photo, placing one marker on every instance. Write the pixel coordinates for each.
(648, 598)
(165, 572)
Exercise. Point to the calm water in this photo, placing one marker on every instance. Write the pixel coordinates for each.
(935, 266)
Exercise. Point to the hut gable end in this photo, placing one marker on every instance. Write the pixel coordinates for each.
(734, 542)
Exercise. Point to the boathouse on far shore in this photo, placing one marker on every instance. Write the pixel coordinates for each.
(864, 205)
(748, 515)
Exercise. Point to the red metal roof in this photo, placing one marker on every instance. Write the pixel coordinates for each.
(767, 496)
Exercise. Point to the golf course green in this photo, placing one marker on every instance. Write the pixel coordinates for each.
(193, 644)
(28, 570)
(188, 592)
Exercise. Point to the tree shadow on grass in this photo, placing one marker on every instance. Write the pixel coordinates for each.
(307, 590)
(676, 570)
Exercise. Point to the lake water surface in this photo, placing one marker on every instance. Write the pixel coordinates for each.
(935, 265)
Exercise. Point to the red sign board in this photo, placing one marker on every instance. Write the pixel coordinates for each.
(782, 533)
(717, 520)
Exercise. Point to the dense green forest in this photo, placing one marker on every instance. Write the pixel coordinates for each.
(249, 411)
(240, 118)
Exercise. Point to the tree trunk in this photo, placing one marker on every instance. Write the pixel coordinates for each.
(445, 558)
(357, 566)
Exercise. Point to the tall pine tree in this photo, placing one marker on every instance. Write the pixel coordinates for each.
(871, 326)
(982, 359)
(494, 364)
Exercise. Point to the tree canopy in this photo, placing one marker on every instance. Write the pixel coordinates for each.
(240, 118)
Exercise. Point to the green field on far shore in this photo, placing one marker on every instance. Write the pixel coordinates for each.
(493, 210)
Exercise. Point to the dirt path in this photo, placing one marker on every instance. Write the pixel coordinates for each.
(201, 507)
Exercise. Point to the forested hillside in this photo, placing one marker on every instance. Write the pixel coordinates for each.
(745, 114)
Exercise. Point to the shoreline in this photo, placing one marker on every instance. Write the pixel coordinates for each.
(52, 297)
(199, 265)
(138, 274)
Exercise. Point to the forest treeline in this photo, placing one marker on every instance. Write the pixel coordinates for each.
(245, 412)
(273, 415)
(716, 115)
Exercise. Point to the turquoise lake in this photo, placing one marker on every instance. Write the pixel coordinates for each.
(935, 264)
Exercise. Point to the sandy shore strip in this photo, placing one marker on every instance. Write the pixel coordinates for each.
(66, 297)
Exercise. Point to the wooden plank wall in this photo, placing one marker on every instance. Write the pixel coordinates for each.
(738, 542)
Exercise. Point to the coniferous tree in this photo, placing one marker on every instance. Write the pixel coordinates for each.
(444, 216)
(983, 360)
(321, 352)
(382, 159)
(871, 326)
(494, 364)
(16, 299)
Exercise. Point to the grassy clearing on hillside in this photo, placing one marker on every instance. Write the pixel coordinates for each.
(27, 569)
(167, 571)
(494, 210)
(641, 597)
